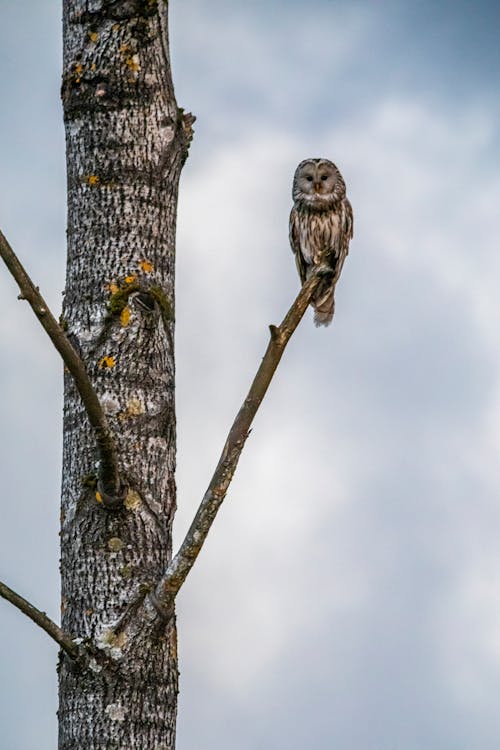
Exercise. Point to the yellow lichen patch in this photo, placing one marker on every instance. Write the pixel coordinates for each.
(98, 497)
(125, 316)
(146, 266)
(115, 27)
(133, 500)
(91, 179)
(112, 287)
(89, 612)
(93, 67)
(135, 407)
(78, 72)
(106, 362)
(132, 62)
(115, 544)
(93, 36)
(123, 48)
(130, 279)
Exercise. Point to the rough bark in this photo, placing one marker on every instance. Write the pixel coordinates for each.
(126, 143)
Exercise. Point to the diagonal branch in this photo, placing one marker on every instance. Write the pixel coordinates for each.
(181, 564)
(108, 475)
(41, 619)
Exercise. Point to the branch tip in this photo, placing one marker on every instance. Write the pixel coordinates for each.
(274, 331)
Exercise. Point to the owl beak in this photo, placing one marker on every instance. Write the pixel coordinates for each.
(317, 186)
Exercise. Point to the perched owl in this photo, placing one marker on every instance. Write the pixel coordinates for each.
(321, 224)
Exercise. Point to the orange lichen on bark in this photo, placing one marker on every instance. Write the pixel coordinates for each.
(132, 62)
(146, 266)
(78, 72)
(107, 362)
(125, 316)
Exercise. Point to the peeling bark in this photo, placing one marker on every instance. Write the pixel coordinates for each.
(126, 143)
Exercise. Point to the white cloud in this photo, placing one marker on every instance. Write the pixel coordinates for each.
(291, 65)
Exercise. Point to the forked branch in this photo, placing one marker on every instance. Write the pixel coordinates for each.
(181, 564)
(108, 473)
(41, 619)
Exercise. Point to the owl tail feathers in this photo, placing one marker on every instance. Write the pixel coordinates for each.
(322, 318)
(324, 307)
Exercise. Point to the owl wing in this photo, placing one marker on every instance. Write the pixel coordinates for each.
(344, 237)
(295, 244)
(347, 221)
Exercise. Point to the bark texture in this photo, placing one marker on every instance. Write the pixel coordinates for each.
(126, 144)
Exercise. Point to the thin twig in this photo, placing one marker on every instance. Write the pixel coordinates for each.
(41, 619)
(181, 564)
(108, 473)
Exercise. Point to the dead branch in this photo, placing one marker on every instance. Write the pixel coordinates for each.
(108, 471)
(41, 619)
(183, 561)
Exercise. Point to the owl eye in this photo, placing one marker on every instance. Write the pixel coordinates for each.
(324, 177)
(309, 178)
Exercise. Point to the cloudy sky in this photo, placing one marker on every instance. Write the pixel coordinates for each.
(349, 595)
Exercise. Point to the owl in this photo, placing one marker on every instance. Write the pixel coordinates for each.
(321, 223)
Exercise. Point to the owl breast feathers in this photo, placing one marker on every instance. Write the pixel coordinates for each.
(321, 224)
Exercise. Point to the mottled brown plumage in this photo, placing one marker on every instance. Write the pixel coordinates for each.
(321, 224)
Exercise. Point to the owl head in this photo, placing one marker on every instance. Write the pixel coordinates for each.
(318, 184)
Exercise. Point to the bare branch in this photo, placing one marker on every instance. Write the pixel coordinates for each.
(108, 474)
(181, 564)
(41, 619)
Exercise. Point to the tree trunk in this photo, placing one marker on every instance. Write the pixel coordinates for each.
(126, 144)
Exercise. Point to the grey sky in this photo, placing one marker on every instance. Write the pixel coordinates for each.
(348, 596)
